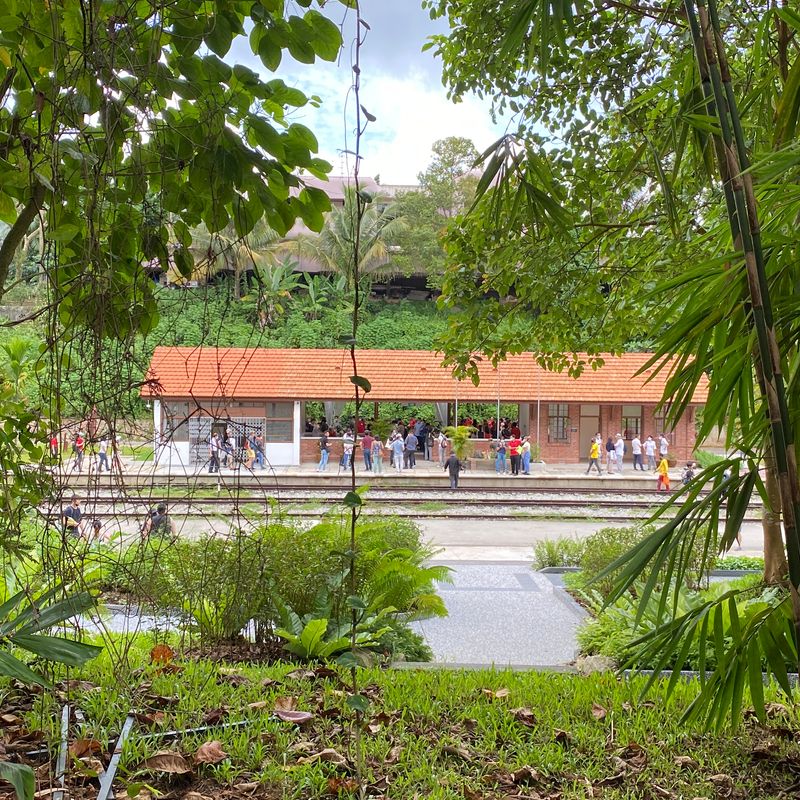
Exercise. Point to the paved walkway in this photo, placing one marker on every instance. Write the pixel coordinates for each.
(505, 614)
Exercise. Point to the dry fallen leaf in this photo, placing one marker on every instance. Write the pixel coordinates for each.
(562, 737)
(598, 712)
(329, 755)
(524, 715)
(84, 747)
(296, 717)
(685, 762)
(497, 695)
(337, 785)
(10, 719)
(210, 753)
(459, 752)
(154, 718)
(285, 703)
(166, 761)
(161, 654)
(215, 715)
(258, 705)
(196, 796)
(267, 682)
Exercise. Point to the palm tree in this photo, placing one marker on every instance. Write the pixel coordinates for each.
(227, 252)
(334, 246)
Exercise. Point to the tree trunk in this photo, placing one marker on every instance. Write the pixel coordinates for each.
(775, 566)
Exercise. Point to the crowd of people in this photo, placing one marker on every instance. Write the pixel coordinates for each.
(655, 450)
(405, 442)
(228, 449)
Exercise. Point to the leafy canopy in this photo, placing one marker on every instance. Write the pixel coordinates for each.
(105, 107)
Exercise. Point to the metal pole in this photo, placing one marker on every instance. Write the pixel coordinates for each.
(497, 418)
(538, 401)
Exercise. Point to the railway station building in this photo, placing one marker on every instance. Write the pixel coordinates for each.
(195, 391)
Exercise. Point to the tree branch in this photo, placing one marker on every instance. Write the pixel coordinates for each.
(17, 233)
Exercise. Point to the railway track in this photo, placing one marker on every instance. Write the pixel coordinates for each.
(311, 503)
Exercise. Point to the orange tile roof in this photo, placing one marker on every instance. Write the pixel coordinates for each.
(400, 375)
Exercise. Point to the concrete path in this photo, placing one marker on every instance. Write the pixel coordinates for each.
(505, 614)
(513, 540)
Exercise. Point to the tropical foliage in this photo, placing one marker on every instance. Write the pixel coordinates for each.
(651, 184)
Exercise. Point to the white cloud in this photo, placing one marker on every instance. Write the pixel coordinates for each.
(411, 115)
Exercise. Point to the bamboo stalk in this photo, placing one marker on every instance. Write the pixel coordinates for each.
(708, 47)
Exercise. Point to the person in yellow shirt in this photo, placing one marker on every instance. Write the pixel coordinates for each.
(594, 456)
(663, 474)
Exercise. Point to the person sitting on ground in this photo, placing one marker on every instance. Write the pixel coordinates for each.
(158, 523)
(688, 473)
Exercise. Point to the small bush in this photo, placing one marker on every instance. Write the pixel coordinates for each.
(601, 549)
(740, 562)
(563, 552)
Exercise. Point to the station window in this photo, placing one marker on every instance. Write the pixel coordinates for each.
(631, 421)
(558, 423)
(279, 422)
(175, 421)
(663, 425)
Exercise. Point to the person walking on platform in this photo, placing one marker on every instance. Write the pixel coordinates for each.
(398, 447)
(443, 443)
(619, 448)
(663, 475)
(636, 449)
(594, 457)
(515, 450)
(453, 466)
(500, 458)
(650, 452)
(377, 456)
(526, 455)
(611, 455)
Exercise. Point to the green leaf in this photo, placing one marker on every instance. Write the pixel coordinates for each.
(353, 601)
(358, 702)
(361, 381)
(347, 660)
(65, 232)
(220, 36)
(14, 668)
(353, 500)
(8, 209)
(21, 777)
(55, 648)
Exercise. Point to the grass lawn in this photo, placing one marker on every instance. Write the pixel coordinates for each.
(428, 734)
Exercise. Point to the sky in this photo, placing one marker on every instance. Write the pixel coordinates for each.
(400, 85)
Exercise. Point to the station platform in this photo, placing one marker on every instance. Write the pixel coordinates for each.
(426, 474)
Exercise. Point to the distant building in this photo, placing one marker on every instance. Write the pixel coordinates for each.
(198, 390)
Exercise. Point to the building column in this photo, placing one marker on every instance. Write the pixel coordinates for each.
(156, 430)
(525, 418)
(298, 414)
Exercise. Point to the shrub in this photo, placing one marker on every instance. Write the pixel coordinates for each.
(226, 582)
(601, 549)
(740, 562)
(563, 552)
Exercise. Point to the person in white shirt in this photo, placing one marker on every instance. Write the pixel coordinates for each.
(663, 446)
(636, 449)
(619, 447)
(650, 452)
